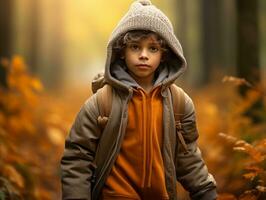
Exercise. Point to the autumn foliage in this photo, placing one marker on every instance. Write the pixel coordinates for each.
(232, 139)
(34, 123)
(30, 136)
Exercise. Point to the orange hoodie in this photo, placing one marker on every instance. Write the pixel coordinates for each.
(138, 172)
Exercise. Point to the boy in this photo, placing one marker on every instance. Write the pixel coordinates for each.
(136, 155)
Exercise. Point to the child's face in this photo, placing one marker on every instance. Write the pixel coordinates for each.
(143, 57)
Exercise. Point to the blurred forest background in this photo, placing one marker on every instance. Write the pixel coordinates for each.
(50, 50)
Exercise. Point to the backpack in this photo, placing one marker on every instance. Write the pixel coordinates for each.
(178, 100)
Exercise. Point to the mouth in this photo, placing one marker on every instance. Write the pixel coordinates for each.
(143, 66)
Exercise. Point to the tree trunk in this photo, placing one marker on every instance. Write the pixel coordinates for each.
(189, 33)
(247, 42)
(215, 33)
(34, 35)
(248, 53)
(5, 35)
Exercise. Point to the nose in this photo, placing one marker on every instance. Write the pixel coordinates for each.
(143, 54)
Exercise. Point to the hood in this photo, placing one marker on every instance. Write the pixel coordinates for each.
(142, 15)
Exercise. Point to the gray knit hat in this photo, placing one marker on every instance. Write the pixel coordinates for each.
(142, 15)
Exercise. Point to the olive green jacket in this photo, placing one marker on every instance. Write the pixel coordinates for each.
(83, 179)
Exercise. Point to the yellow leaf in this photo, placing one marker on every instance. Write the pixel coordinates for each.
(36, 84)
(237, 81)
(56, 136)
(261, 188)
(254, 168)
(18, 65)
(242, 149)
(13, 175)
(250, 175)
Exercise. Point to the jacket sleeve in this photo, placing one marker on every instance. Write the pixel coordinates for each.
(80, 146)
(191, 170)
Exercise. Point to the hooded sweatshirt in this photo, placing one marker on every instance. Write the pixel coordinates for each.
(138, 172)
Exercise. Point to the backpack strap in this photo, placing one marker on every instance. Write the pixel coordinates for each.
(104, 97)
(104, 100)
(178, 99)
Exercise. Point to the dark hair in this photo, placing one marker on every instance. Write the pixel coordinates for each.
(135, 36)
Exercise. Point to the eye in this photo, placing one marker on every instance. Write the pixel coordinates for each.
(134, 47)
(154, 49)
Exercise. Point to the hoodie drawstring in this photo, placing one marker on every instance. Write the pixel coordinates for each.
(148, 138)
(144, 138)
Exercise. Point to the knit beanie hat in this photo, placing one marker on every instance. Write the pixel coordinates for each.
(143, 15)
